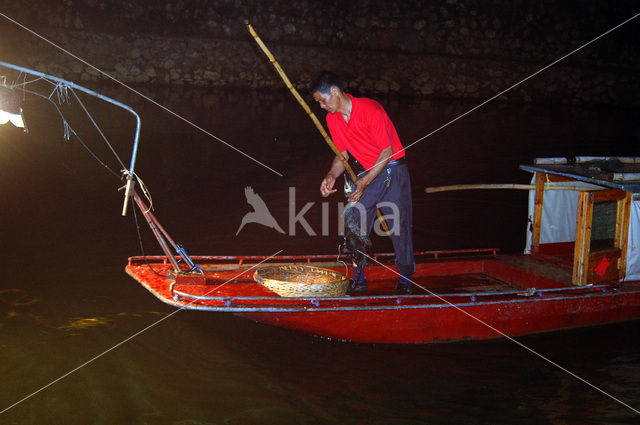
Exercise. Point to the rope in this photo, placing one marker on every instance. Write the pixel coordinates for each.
(145, 191)
(68, 130)
(112, 171)
(98, 128)
(25, 82)
(346, 267)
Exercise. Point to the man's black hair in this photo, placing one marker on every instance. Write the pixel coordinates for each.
(324, 81)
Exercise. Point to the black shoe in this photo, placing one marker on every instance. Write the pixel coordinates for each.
(356, 289)
(403, 288)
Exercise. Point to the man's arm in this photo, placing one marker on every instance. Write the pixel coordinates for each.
(337, 168)
(384, 157)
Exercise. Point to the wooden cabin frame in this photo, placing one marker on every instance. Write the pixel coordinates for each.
(589, 265)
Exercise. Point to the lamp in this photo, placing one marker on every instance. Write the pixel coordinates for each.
(10, 109)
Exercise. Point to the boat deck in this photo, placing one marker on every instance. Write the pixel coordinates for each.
(471, 275)
(517, 294)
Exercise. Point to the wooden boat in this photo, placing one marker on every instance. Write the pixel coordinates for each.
(581, 268)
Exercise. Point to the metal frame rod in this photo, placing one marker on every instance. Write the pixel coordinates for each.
(153, 218)
(158, 231)
(106, 99)
(163, 237)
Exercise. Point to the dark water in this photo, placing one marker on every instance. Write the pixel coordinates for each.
(64, 297)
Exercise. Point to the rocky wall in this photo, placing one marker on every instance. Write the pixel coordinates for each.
(440, 49)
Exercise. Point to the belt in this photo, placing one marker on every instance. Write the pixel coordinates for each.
(359, 169)
(395, 162)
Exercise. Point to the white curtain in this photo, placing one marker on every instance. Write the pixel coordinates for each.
(633, 248)
(559, 213)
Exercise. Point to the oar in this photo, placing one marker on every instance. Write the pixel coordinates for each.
(310, 113)
(506, 186)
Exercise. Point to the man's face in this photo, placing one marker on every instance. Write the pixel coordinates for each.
(328, 102)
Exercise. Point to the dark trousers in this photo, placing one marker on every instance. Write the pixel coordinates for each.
(390, 191)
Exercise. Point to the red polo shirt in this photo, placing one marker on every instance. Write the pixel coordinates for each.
(367, 133)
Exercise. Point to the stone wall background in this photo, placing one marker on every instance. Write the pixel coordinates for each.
(434, 49)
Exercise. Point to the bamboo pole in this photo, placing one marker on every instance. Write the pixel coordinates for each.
(302, 102)
(505, 186)
(310, 113)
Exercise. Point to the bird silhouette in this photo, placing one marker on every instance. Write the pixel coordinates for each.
(260, 213)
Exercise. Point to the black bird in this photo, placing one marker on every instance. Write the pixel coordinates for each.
(356, 243)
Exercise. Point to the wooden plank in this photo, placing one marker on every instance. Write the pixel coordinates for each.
(541, 178)
(587, 237)
(609, 195)
(528, 271)
(617, 238)
(603, 265)
(583, 239)
(557, 178)
(578, 249)
(557, 249)
(622, 227)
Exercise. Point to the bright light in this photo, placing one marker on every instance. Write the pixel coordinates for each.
(10, 109)
(16, 119)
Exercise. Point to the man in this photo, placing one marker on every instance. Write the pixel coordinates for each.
(360, 127)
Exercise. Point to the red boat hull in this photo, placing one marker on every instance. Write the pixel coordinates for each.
(447, 324)
(467, 298)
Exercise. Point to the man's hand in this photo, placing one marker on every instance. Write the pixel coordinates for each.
(360, 186)
(363, 182)
(337, 168)
(326, 187)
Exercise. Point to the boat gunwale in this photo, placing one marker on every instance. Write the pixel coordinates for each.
(436, 255)
(398, 306)
(194, 302)
(360, 298)
(169, 293)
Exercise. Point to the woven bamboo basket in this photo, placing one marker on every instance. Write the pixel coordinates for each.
(302, 281)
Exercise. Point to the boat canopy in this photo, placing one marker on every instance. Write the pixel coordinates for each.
(595, 224)
(615, 172)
